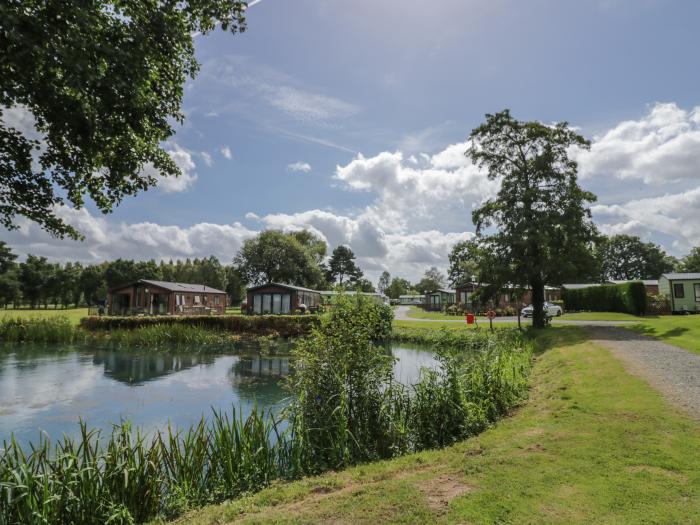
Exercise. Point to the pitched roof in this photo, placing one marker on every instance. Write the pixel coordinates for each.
(282, 285)
(172, 287)
(682, 276)
(646, 282)
(576, 286)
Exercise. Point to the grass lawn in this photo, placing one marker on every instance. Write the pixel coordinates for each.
(593, 444)
(483, 324)
(419, 313)
(601, 316)
(679, 330)
(74, 314)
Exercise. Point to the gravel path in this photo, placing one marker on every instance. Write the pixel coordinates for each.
(401, 314)
(673, 371)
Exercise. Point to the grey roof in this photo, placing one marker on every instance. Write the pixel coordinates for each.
(682, 276)
(282, 285)
(181, 287)
(171, 287)
(575, 286)
(412, 295)
(646, 282)
(349, 292)
(442, 291)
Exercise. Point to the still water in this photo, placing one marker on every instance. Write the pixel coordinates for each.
(49, 388)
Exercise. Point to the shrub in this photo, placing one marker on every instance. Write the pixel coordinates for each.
(629, 298)
(283, 325)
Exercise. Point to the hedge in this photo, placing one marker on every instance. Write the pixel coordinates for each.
(628, 298)
(283, 325)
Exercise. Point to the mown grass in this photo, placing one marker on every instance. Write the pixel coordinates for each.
(679, 330)
(592, 445)
(74, 315)
(601, 316)
(419, 313)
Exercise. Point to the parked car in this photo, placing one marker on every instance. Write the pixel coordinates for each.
(551, 310)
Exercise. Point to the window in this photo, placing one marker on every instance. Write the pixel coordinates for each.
(697, 292)
(678, 291)
(196, 299)
(216, 300)
(286, 300)
(257, 304)
(267, 303)
(276, 303)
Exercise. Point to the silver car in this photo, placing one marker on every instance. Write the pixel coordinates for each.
(550, 309)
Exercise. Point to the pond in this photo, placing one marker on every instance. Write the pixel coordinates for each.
(46, 388)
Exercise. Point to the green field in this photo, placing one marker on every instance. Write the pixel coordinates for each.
(679, 330)
(419, 313)
(593, 444)
(74, 314)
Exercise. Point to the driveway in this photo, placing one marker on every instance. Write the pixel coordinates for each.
(673, 371)
(401, 314)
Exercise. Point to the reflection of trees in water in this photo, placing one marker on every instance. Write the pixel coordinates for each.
(134, 368)
(260, 377)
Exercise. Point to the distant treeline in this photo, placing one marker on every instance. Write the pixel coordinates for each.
(37, 282)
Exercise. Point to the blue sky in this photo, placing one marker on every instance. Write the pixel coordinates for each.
(350, 118)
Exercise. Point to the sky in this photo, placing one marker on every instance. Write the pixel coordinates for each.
(351, 119)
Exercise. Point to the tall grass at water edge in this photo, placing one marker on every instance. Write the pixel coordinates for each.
(345, 408)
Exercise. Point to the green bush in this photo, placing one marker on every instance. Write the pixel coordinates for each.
(283, 325)
(628, 298)
(39, 330)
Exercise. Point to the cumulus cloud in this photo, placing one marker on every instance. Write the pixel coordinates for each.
(206, 157)
(303, 167)
(417, 193)
(105, 240)
(183, 159)
(662, 146)
(226, 152)
(675, 215)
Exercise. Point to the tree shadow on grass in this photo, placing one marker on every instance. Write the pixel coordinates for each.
(547, 338)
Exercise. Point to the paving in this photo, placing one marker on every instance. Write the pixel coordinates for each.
(401, 314)
(673, 371)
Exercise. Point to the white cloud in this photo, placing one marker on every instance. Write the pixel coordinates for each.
(206, 157)
(183, 159)
(306, 106)
(226, 152)
(105, 240)
(675, 215)
(303, 167)
(661, 147)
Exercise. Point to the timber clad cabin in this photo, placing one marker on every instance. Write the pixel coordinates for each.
(148, 297)
(507, 297)
(276, 298)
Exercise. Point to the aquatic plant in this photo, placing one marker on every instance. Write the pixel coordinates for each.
(345, 408)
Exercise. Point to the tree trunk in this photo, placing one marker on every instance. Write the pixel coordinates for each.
(538, 315)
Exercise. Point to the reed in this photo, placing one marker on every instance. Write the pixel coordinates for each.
(57, 329)
(345, 408)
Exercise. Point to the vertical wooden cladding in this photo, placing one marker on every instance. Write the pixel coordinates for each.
(166, 298)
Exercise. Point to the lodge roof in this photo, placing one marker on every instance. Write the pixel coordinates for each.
(282, 285)
(682, 276)
(172, 287)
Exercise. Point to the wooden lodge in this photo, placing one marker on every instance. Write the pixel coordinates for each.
(276, 298)
(147, 297)
(507, 296)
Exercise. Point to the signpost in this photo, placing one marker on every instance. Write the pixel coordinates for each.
(491, 314)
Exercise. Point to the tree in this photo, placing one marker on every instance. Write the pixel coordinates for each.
(397, 288)
(92, 284)
(342, 267)
(33, 276)
(104, 82)
(234, 285)
(542, 223)
(7, 258)
(384, 281)
(464, 265)
(691, 262)
(365, 285)
(627, 257)
(274, 256)
(433, 279)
